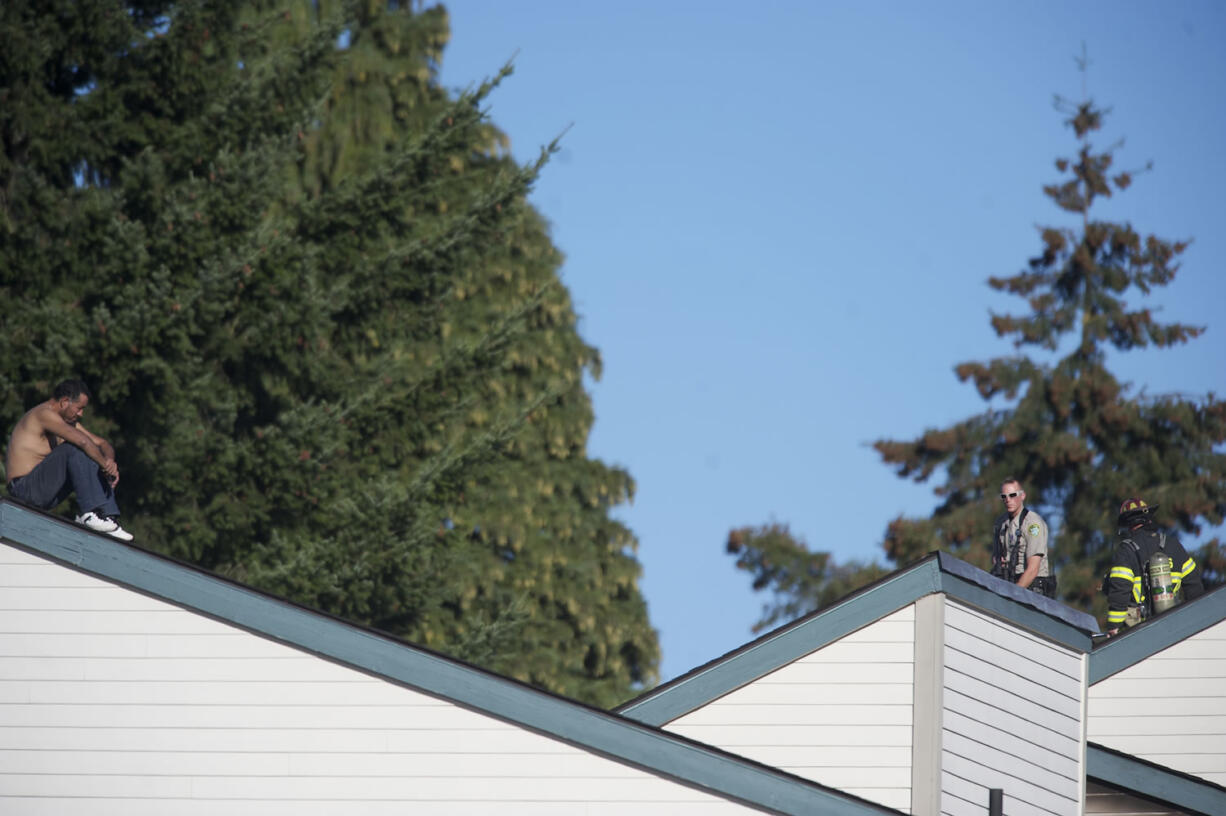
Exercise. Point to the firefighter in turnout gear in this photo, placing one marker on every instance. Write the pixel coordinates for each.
(1020, 543)
(1151, 571)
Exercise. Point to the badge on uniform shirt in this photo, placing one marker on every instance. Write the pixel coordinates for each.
(1033, 529)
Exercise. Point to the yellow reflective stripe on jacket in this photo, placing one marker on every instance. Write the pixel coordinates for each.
(1177, 576)
(1116, 615)
(1126, 574)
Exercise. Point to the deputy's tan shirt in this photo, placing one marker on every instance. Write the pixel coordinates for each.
(1034, 538)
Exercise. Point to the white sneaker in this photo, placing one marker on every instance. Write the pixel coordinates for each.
(104, 525)
(96, 523)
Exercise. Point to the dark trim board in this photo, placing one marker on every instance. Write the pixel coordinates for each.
(1134, 645)
(1137, 776)
(938, 572)
(775, 650)
(1023, 598)
(685, 761)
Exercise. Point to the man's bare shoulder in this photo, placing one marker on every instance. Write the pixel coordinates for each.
(28, 444)
(37, 420)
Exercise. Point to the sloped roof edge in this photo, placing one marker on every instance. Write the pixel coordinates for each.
(1133, 775)
(686, 761)
(1134, 645)
(937, 572)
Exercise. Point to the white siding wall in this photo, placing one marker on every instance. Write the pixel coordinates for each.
(114, 703)
(1012, 719)
(1170, 708)
(840, 716)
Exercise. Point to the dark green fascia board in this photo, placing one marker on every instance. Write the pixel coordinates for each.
(776, 649)
(1037, 612)
(1147, 779)
(658, 752)
(938, 572)
(1134, 645)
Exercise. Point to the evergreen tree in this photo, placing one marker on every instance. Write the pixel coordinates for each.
(1078, 439)
(540, 513)
(799, 579)
(342, 369)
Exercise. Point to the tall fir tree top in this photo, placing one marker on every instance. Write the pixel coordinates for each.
(1082, 278)
(1078, 439)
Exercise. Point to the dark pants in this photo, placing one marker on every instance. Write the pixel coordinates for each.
(67, 470)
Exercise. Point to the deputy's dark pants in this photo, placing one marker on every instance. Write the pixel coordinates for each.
(67, 470)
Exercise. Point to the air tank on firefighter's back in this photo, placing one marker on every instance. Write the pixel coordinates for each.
(1161, 583)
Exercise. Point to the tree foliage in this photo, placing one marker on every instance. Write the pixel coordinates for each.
(800, 579)
(1079, 440)
(324, 327)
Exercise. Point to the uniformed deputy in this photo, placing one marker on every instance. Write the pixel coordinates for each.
(1127, 600)
(1020, 548)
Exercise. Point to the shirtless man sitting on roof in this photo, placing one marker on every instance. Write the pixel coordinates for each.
(51, 455)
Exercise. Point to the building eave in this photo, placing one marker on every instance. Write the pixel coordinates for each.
(938, 572)
(668, 755)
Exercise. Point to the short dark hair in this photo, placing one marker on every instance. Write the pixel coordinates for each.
(1010, 480)
(70, 390)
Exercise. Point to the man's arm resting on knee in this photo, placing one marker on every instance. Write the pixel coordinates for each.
(83, 439)
(110, 467)
(102, 444)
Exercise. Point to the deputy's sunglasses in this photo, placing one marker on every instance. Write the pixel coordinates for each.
(1012, 495)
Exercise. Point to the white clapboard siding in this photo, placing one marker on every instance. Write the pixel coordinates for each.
(1012, 718)
(1169, 708)
(115, 703)
(841, 715)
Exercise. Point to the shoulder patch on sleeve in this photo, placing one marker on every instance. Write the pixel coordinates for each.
(1033, 529)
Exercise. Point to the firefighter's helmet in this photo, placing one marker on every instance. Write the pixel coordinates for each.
(1133, 510)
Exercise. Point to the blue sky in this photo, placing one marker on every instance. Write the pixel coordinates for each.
(779, 219)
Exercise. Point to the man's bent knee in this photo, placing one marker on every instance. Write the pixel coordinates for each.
(75, 454)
